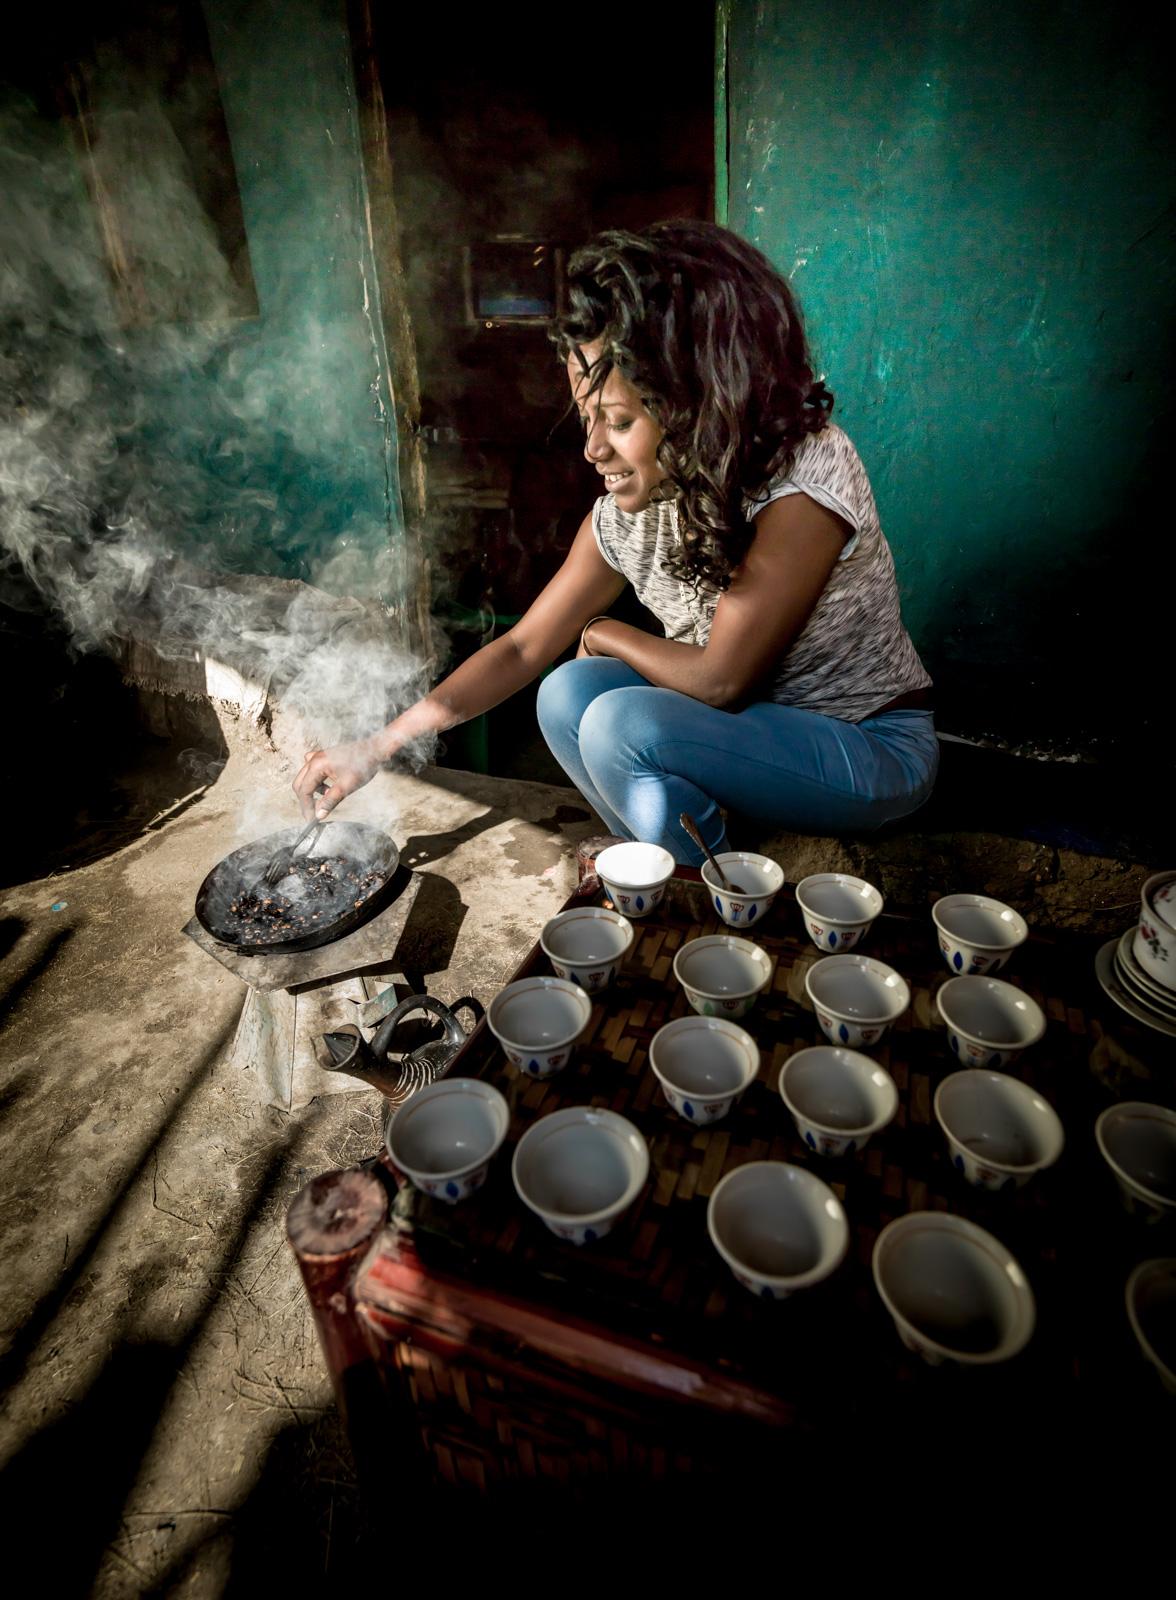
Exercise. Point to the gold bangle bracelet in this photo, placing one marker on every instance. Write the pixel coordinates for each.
(583, 631)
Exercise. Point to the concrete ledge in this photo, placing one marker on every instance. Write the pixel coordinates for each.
(1053, 888)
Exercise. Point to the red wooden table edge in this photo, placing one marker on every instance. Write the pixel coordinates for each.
(447, 1316)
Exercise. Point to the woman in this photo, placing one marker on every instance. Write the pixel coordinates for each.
(786, 688)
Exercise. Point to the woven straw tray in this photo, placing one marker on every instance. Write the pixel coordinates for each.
(831, 1349)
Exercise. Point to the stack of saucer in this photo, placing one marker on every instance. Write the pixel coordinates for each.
(1138, 970)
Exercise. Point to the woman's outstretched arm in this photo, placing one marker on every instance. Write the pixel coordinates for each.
(584, 585)
(771, 597)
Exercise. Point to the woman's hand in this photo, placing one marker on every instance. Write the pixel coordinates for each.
(341, 771)
(583, 584)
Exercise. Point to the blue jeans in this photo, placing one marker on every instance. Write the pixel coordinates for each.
(640, 756)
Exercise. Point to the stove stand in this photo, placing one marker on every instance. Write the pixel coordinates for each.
(291, 999)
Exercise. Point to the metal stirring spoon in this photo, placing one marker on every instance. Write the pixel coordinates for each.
(282, 860)
(691, 827)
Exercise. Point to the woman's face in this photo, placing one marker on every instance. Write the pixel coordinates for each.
(622, 436)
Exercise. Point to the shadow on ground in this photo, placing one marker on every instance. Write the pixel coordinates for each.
(66, 1488)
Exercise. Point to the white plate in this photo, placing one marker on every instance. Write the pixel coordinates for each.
(1163, 1006)
(1104, 971)
(1128, 964)
(1129, 961)
(1156, 1007)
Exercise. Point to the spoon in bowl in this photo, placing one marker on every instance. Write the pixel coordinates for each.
(691, 828)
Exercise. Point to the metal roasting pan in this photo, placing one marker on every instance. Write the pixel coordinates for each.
(365, 847)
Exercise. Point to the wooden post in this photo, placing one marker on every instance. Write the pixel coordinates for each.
(331, 1225)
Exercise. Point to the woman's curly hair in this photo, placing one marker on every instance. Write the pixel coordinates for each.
(708, 333)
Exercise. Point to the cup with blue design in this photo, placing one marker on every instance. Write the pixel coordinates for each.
(838, 910)
(754, 881)
(705, 1065)
(778, 1228)
(977, 935)
(587, 945)
(989, 1022)
(722, 975)
(999, 1130)
(855, 998)
(580, 1169)
(444, 1137)
(538, 1022)
(635, 876)
(838, 1098)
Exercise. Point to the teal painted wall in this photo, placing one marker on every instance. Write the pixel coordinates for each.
(260, 443)
(306, 385)
(973, 202)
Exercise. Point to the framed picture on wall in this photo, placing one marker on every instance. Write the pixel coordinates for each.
(510, 279)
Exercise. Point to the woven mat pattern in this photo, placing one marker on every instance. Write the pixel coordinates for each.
(658, 1276)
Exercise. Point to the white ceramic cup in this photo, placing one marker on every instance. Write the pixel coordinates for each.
(635, 875)
(587, 945)
(999, 1130)
(1138, 1142)
(838, 910)
(989, 1022)
(976, 934)
(537, 1022)
(855, 998)
(955, 1293)
(1159, 893)
(704, 1065)
(838, 1098)
(444, 1136)
(759, 879)
(580, 1169)
(722, 975)
(778, 1227)
(1154, 946)
(1151, 1310)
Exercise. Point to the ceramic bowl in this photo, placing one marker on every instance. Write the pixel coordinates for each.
(537, 1022)
(587, 945)
(1154, 946)
(999, 1130)
(838, 910)
(1138, 1143)
(759, 878)
(704, 1065)
(580, 1169)
(1159, 894)
(989, 1022)
(444, 1136)
(722, 975)
(955, 1292)
(855, 998)
(977, 934)
(777, 1227)
(635, 876)
(1151, 1310)
(838, 1098)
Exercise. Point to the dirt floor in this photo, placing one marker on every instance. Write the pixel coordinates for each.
(162, 1376)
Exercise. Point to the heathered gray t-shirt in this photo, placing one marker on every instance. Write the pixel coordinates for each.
(853, 655)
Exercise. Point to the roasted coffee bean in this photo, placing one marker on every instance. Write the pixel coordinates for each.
(330, 887)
